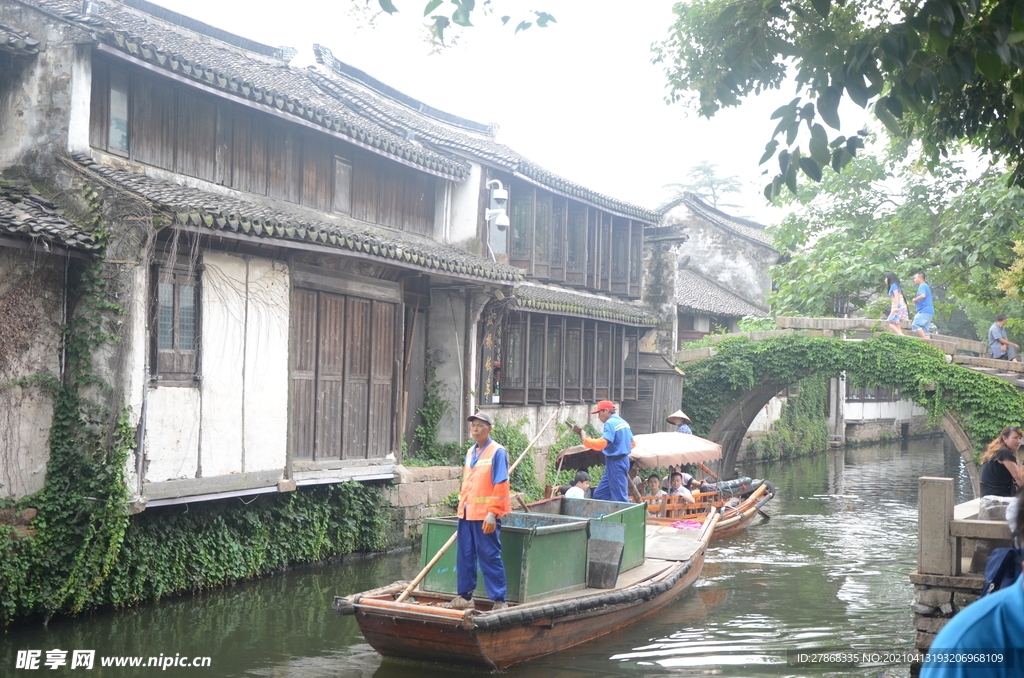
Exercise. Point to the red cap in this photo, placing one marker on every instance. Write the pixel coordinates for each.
(603, 405)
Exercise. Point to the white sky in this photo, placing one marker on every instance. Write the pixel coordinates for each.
(581, 97)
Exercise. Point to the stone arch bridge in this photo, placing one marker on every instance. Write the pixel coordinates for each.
(734, 420)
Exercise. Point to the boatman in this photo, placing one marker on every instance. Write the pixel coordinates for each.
(483, 500)
(616, 442)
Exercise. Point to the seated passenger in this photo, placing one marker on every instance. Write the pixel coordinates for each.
(654, 486)
(706, 486)
(678, 489)
(579, 487)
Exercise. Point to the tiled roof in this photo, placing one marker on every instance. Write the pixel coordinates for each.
(697, 293)
(25, 214)
(17, 42)
(244, 73)
(568, 302)
(459, 135)
(743, 227)
(216, 212)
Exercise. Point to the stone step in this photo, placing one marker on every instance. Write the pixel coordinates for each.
(992, 363)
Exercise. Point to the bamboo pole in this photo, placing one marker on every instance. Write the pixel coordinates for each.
(451, 540)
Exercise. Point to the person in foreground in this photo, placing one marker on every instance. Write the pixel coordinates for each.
(986, 638)
(616, 442)
(483, 500)
(1000, 473)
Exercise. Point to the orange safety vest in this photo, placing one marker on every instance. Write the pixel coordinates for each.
(479, 496)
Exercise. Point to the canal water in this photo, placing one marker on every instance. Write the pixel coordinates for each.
(827, 572)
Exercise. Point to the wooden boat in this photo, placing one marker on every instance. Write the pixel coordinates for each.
(734, 515)
(420, 628)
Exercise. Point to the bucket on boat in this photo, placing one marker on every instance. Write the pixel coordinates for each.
(604, 553)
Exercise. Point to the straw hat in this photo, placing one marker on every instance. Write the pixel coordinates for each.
(678, 414)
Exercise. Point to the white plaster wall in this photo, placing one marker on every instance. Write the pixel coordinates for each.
(222, 358)
(265, 436)
(446, 343)
(767, 416)
(466, 206)
(702, 323)
(136, 352)
(172, 433)
(867, 411)
(81, 99)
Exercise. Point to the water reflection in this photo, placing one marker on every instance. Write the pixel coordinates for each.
(828, 570)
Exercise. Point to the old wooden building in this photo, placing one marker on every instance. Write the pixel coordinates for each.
(291, 248)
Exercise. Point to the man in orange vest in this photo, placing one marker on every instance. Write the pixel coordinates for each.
(484, 499)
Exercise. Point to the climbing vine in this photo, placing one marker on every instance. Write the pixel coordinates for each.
(982, 403)
(84, 550)
(431, 452)
(801, 427)
(510, 435)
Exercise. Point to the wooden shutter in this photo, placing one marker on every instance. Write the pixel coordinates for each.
(382, 379)
(304, 357)
(196, 139)
(330, 407)
(357, 378)
(152, 123)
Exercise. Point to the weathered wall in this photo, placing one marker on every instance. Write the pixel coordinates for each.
(232, 421)
(30, 133)
(738, 264)
(446, 347)
(465, 206)
(660, 264)
(31, 313)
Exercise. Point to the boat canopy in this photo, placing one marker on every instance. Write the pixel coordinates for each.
(653, 450)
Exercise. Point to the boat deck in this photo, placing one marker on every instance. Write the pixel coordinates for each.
(670, 543)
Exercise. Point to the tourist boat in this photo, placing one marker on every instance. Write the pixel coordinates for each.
(545, 622)
(735, 514)
(738, 501)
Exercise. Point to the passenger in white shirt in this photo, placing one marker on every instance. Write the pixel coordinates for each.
(580, 485)
(654, 486)
(678, 489)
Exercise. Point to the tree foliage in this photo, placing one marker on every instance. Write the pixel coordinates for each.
(883, 214)
(940, 71)
(443, 15)
(705, 183)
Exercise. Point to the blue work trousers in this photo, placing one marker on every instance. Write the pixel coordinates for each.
(613, 483)
(476, 547)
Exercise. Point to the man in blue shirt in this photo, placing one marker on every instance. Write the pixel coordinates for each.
(993, 625)
(925, 308)
(616, 442)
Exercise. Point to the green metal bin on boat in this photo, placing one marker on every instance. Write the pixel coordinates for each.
(543, 555)
(633, 516)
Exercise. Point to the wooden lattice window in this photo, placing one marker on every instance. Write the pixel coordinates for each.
(175, 324)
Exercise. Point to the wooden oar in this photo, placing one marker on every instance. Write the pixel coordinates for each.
(704, 468)
(451, 540)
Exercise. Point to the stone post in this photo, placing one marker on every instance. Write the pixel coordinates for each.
(936, 548)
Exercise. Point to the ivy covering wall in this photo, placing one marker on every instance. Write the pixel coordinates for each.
(84, 549)
(801, 427)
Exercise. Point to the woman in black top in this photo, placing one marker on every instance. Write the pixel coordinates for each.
(1000, 472)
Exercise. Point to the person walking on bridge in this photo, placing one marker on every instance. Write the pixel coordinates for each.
(898, 305)
(925, 307)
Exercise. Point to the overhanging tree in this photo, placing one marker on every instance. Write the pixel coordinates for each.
(940, 71)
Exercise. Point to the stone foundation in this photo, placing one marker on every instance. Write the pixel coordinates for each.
(418, 492)
(936, 599)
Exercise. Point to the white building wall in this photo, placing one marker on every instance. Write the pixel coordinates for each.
(233, 421)
(466, 206)
(222, 358)
(265, 436)
(172, 433)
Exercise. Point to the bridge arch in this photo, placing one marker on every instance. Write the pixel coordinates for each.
(724, 393)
